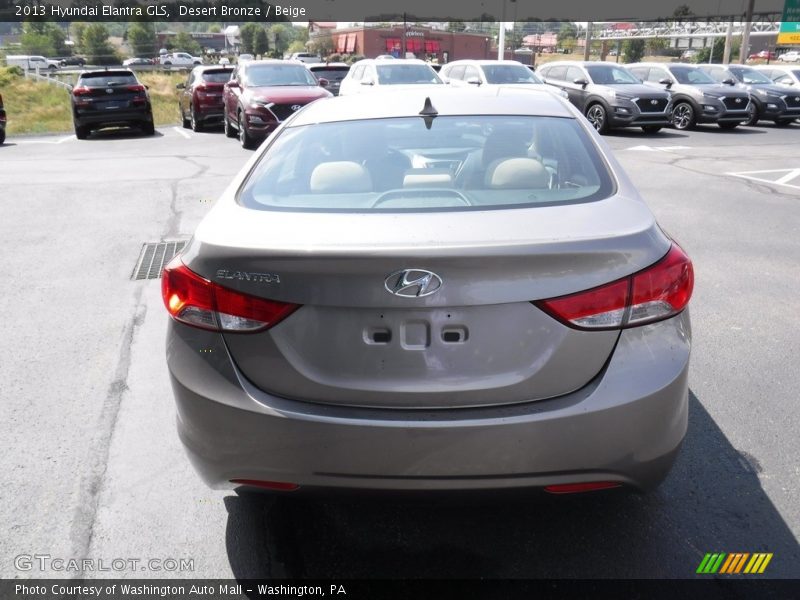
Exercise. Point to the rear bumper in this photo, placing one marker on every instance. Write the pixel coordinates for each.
(113, 117)
(626, 425)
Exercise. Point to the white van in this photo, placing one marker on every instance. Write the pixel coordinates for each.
(32, 63)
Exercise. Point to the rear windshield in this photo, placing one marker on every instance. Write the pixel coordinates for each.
(279, 75)
(110, 78)
(217, 75)
(460, 163)
(332, 73)
(405, 74)
(509, 74)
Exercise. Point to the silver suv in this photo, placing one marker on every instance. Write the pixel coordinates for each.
(696, 97)
(609, 95)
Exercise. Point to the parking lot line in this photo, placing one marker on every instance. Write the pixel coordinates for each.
(182, 132)
(789, 175)
(56, 141)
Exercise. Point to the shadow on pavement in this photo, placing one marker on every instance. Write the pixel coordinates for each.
(120, 133)
(711, 502)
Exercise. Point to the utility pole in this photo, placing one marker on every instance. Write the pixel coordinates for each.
(501, 37)
(588, 47)
(748, 23)
(726, 57)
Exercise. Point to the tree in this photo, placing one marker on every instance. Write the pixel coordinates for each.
(634, 50)
(683, 11)
(322, 44)
(96, 46)
(719, 49)
(281, 37)
(566, 33)
(186, 43)
(456, 26)
(656, 45)
(260, 42)
(296, 46)
(43, 38)
(247, 36)
(76, 34)
(142, 39)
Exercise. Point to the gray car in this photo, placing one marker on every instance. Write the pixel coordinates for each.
(609, 95)
(442, 290)
(696, 97)
(768, 100)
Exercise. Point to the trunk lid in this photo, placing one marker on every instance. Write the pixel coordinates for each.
(476, 341)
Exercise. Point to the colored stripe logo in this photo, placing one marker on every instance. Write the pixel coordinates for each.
(734, 563)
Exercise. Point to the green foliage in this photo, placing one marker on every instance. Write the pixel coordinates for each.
(247, 35)
(76, 33)
(43, 38)
(95, 45)
(456, 26)
(9, 74)
(634, 50)
(335, 58)
(719, 49)
(281, 36)
(142, 39)
(260, 42)
(186, 43)
(296, 46)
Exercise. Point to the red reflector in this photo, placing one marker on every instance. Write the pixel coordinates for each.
(282, 486)
(658, 292)
(199, 302)
(574, 488)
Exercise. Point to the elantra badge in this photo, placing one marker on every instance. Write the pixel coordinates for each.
(413, 283)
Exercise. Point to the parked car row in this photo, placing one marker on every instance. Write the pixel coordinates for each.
(654, 95)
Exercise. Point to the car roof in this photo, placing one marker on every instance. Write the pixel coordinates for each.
(204, 68)
(581, 63)
(500, 100)
(328, 65)
(396, 61)
(476, 61)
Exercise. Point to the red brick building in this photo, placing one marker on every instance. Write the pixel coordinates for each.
(422, 42)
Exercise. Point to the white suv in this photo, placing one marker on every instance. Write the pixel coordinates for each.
(180, 59)
(306, 57)
(371, 74)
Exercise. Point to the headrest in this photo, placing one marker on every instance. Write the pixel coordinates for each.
(517, 173)
(340, 177)
(427, 178)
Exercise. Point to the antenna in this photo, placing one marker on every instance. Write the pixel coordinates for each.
(428, 113)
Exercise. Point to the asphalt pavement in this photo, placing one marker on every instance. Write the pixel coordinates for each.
(93, 467)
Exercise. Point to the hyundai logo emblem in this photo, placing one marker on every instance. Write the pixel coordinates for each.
(653, 101)
(797, 99)
(738, 101)
(412, 283)
(296, 106)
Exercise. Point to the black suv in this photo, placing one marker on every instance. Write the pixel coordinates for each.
(2, 121)
(110, 98)
(768, 100)
(609, 95)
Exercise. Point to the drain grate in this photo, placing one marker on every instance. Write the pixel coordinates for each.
(153, 257)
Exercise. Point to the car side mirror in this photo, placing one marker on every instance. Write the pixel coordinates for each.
(474, 81)
(367, 81)
(324, 82)
(180, 86)
(232, 83)
(665, 81)
(729, 81)
(581, 81)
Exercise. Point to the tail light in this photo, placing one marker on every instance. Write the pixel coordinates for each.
(201, 91)
(140, 91)
(658, 292)
(196, 301)
(80, 94)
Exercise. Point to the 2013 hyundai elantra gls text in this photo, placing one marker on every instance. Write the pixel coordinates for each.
(440, 290)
